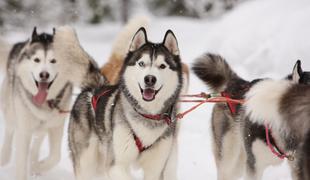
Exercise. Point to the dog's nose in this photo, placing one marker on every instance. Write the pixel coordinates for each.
(44, 75)
(150, 80)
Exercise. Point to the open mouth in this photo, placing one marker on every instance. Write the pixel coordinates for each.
(42, 93)
(149, 93)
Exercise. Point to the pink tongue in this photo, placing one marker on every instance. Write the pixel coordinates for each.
(40, 97)
(148, 94)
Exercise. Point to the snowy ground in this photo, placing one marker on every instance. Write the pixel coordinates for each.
(260, 38)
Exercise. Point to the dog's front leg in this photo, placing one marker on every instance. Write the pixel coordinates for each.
(170, 170)
(55, 137)
(125, 153)
(7, 146)
(35, 150)
(23, 138)
(155, 159)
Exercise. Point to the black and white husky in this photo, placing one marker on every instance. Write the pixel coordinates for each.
(285, 107)
(113, 128)
(239, 145)
(34, 98)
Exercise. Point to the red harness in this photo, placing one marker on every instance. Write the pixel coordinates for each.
(273, 147)
(158, 117)
(231, 105)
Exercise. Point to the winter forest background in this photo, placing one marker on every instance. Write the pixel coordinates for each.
(258, 38)
(46, 12)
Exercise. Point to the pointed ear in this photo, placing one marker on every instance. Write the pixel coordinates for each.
(138, 40)
(297, 72)
(171, 43)
(54, 31)
(34, 34)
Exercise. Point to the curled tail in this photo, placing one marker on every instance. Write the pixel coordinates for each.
(120, 49)
(82, 70)
(214, 71)
(4, 55)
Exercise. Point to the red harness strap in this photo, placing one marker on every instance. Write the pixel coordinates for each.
(95, 99)
(278, 152)
(158, 117)
(139, 144)
(232, 106)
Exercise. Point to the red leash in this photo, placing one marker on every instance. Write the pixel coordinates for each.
(279, 153)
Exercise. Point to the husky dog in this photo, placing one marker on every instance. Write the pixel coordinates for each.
(132, 123)
(34, 98)
(239, 144)
(285, 106)
(111, 69)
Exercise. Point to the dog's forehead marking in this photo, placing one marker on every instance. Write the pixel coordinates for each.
(145, 58)
(160, 59)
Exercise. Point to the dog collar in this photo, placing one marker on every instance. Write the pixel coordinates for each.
(158, 117)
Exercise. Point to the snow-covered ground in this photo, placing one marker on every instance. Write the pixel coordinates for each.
(259, 38)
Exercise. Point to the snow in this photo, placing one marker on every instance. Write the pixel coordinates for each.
(259, 38)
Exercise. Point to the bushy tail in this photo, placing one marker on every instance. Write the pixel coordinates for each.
(4, 54)
(214, 71)
(120, 48)
(82, 70)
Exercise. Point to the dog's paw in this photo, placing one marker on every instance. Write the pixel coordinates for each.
(44, 165)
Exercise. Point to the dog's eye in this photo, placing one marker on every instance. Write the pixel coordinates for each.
(141, 64)
(37, 60)
(162, 66)
(53, 61)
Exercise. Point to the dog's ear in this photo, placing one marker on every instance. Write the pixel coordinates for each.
(297, 72)
(54, 31)
(34, 34)
(138, 40)
(171, 43)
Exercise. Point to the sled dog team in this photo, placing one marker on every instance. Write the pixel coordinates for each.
(126, 112)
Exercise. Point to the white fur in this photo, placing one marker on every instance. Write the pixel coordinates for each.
(264, 158)
(122, 42)
(231, 164)
(29, 71)
(66, 42)
(262, 102)
(167, 87)
(28, 122)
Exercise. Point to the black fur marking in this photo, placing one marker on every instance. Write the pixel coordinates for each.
(102, 105)
(213, 70)
(44, 39)
(154, 50)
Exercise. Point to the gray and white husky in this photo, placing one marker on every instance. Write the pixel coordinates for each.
(285, 106)
(35, 95)
(239, 146)
(113, 128)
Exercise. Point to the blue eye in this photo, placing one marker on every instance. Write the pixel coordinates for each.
(141, 64)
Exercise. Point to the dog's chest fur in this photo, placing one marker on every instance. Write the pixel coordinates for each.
(114, 109)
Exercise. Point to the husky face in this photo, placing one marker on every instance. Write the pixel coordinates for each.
(37, 66)
(152, 75)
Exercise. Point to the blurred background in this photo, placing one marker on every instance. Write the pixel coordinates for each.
(45, 12)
